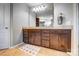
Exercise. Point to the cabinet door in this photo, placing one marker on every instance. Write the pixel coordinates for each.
(37, 40)
(45, 43)
(63, 42)
(54, 40)
(31, 36)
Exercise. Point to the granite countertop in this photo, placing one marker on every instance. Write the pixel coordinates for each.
(54, 27)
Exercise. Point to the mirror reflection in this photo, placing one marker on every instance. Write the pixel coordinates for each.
(44, 14)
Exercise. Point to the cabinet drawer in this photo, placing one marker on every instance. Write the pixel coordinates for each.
(60, 31)
(25, 40)
(37, 41)
(25, 35)
(38, 33)
(31, 30)
(45, 35)
(37, 30)
(53, 31)
(64, 31)
(45, 31)
(45, 43)
(45, 38)
(25, 30)
(34, 30)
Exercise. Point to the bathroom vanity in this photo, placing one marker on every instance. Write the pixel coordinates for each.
(58, 38)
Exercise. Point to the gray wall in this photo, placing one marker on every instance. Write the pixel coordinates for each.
(21, 18)
(66, 9)
(78, 29)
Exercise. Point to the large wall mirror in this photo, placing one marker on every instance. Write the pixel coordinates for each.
(44, 14)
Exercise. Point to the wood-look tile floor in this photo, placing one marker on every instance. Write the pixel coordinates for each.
(43, 52)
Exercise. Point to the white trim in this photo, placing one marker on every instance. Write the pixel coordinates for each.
(16, 45)
(74, 41)
(77, 26)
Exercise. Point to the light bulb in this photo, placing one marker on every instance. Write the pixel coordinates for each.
(33, 9)
(37, 10)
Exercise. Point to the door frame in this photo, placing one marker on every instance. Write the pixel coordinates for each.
(74, 35)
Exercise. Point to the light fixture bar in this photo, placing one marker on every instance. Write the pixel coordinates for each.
(39, 8)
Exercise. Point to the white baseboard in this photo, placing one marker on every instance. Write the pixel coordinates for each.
(16, 45)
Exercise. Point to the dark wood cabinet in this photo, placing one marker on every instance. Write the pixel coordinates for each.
(31, 36)
(45, 43)
(54, 39)
(59, 39)
(62, 42)
(37, 40)
(45, 38)
(69, 42)
(35, 37)
(25, 36)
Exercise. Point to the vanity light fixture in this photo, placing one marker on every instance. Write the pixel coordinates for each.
(39, 8)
